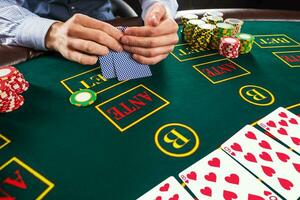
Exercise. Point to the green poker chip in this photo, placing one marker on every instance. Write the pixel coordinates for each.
(83, 98)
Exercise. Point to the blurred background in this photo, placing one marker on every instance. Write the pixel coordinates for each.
(206, 4)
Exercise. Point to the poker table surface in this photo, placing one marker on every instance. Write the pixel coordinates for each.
(140, 132)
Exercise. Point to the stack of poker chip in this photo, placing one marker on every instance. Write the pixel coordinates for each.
(221, 30)
(229, 47)
(184, 21)
(246, 41)
(83, 98)
(190, 28)
(236, 23)
(12, 84)
(202, 36)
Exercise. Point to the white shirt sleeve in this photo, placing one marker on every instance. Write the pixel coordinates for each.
(19, 26)
(171, 6)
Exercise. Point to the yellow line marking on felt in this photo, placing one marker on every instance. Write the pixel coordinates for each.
(297, 43)
(34, 173)
(67, 87)
(138, 120)
(63, 82)
(7, 141)
(223, 80)
(278, 52)
(191, 58)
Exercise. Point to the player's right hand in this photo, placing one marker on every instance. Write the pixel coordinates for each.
(82, 39)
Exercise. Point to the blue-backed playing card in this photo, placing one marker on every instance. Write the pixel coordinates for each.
(127, 68)
(107, 66)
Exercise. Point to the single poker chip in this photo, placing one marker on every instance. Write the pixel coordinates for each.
(83, 98)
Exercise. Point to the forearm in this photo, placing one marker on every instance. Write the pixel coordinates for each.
(171, 6)
(18, 26)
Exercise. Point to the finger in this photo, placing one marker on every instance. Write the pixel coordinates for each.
(89, 47)
(81, 57)
(150, 42)
(166, 27)
(149, 61)
(89, 22)
(154, 16)
(96, 36)
(149, 52)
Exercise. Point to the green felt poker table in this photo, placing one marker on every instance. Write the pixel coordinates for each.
(142, 131)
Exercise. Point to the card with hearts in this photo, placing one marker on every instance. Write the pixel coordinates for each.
(169, 189)
(267, 159)
(217, 176)
(284, 125)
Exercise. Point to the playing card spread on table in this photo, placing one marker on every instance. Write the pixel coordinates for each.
(267, 159)
(126, 68)
(169, 189)
(217, 176)
(107, 66)
(283, 125)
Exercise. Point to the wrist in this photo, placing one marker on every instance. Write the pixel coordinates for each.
(52, 35)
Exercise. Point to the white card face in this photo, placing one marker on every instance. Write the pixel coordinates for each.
(267, 159)
(217, 176)
(283, 125)
(169, 189)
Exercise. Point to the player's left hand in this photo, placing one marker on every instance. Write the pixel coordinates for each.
(153, 42)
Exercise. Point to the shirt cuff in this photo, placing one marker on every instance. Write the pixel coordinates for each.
(171, 6)
(32, 32)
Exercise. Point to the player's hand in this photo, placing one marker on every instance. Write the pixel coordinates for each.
(153, 42)
(82, 39)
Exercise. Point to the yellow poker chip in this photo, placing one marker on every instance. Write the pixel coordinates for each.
(83, 98)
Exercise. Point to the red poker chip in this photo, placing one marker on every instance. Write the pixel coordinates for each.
(12, 83)
(4, 85)
(229, 40)
(12, 105)
(16, 81)
(6, 96)
(7, 72)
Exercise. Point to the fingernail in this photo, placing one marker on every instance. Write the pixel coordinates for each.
(127, 31)
(120, 48)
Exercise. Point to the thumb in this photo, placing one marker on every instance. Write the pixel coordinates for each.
(155, 15)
